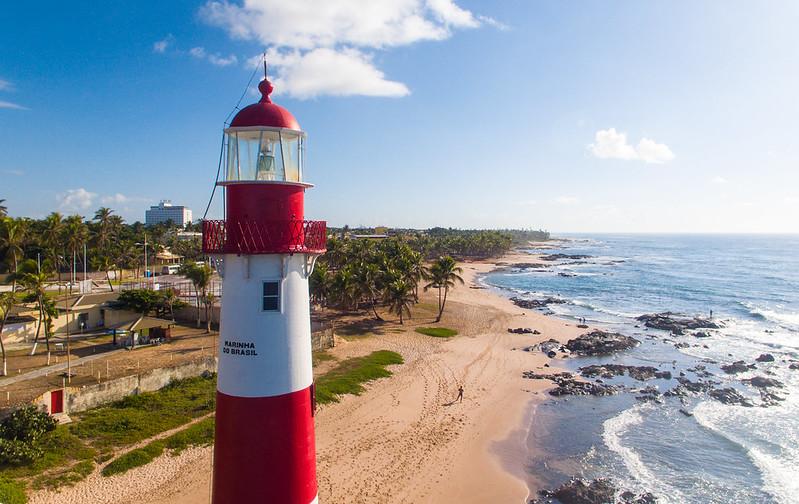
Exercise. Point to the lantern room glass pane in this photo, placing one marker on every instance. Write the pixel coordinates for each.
(290, 145)
(264, 155)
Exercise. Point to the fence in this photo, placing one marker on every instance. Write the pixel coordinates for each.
(77, 399)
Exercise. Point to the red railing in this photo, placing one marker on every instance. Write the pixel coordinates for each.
(264, 237)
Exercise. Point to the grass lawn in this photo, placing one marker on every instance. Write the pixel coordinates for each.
(321, 356)
(437, 332)
(349, 375)
(71, 451)
(199, 434)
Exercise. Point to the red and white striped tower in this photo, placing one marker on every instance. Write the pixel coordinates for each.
(264, 450)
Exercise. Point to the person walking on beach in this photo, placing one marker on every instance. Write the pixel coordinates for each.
(460, 393)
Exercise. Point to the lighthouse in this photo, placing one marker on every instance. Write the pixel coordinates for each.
(264, 450)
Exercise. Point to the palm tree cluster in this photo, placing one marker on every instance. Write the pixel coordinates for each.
(111, 244)
(360, 273)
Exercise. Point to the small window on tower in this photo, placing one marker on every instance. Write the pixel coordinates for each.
(271, 301)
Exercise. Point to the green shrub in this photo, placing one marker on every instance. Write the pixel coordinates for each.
(12, 492)
(20, 433)
(134, 458)
(349, 375)
(437, 332)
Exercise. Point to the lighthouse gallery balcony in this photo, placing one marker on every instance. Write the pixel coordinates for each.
(264, 237)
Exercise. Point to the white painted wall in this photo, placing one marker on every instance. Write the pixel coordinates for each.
(282, 339)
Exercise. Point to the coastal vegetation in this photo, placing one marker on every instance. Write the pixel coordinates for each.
(197, 434)
(437, 332)
(349, 375)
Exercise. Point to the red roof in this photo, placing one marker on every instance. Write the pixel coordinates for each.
(265, 113)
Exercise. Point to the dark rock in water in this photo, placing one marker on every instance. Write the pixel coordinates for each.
(766, 357)
(687, 386)
(561, 257)
(686, 413)
(567, 385)
(598, 491)
(682, 345)
(769, 398)
(527, 265)
(649, 394)
(701, 334)
(675, 322)
(600, 343)
(531, 304)
(568, 275)
(729, 395)
(582, 326)
(552, 354)
(640, 373)
(762, 382)
(794, 366)
(737, 367)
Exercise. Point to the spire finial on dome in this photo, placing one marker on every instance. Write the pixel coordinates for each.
(265, 87)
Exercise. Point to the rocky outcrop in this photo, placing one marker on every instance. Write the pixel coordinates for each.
(598, 491)
(564, 257)
(523, 330)
(729, 395)
(527, 265)
(676, 323)
(533, 304)
(766, 357)
(600, 343)
(567, 385)
(763, 382)
(640, 373)
(737, 367)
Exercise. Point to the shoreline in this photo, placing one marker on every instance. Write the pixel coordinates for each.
(403, 440)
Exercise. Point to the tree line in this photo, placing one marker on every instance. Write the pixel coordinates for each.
(58, 242)
(358, 273)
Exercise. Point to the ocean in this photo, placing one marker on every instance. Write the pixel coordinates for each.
(721, 453)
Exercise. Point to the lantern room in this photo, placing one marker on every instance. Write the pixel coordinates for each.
(264, 143)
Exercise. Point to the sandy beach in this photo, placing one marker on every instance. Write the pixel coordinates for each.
(403, 440)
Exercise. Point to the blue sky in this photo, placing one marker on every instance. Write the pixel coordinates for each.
(626, 116)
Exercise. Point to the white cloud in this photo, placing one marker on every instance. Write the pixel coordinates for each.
(650, 151)
(566, 200)
(162, 45)
(718, 180)
(612, 144)
(216, 59)
(121, 199)
(16, 173)
(5, 85)
(329, 72)
(197, 52)
(13, 106)
(338, 36)
(76, 199)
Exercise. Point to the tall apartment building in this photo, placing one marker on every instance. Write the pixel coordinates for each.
(166, 211)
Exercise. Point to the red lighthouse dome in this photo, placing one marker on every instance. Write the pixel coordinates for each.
(265, 113)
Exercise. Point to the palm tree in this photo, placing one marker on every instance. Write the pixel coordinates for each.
(76, 233)
(399, 297)
(104, 263)
(6, 302)
(35, 284)
(209, 299)
(52, 238)
(13, 235)
(3, 209)
(320, 283)
(369, 284)
(443, 274)
(200, 276)
(103, 218)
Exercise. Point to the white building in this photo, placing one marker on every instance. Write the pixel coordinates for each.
(166, 211)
